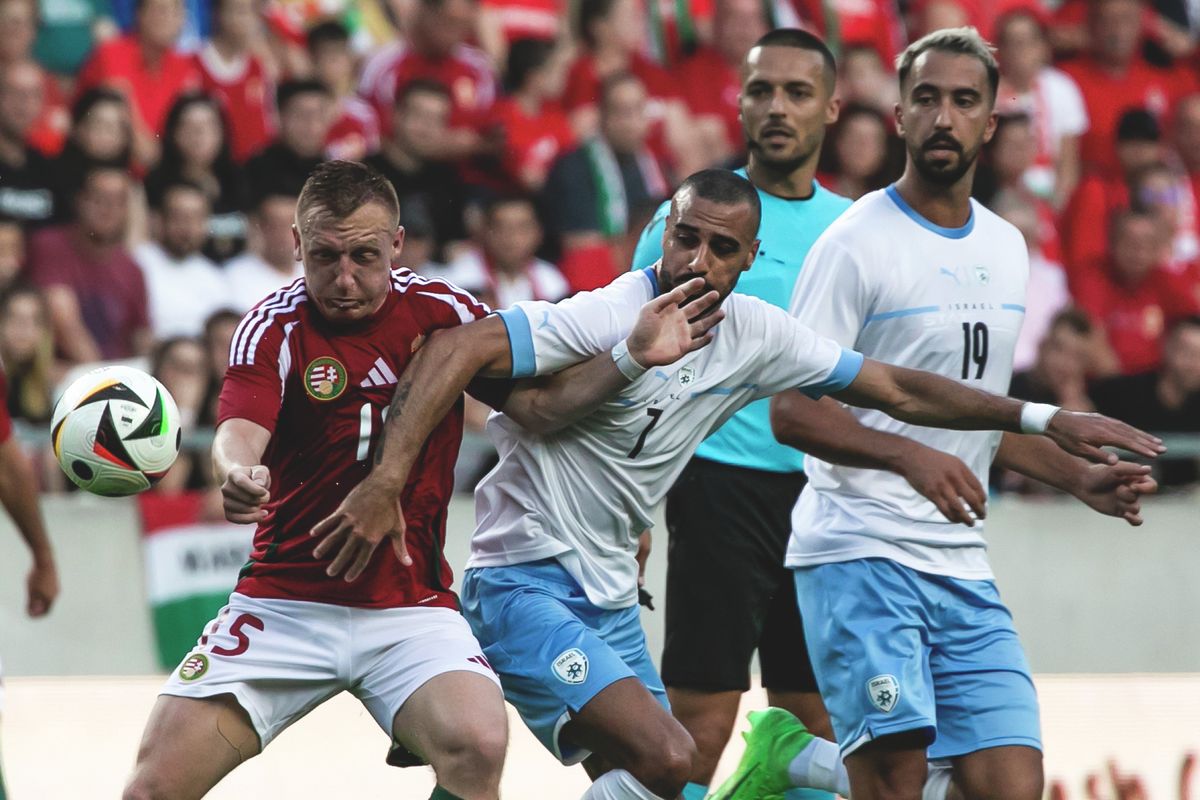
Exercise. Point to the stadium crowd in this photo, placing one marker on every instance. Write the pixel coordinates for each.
(151, 152)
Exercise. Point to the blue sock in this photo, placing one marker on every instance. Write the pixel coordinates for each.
(694, 791)
(807, 794)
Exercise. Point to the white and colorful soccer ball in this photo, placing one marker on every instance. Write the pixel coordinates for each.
(116, 431)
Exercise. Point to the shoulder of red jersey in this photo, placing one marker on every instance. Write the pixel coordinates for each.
(418, 288)
(379, 64)
(270, 321)
(479, 61)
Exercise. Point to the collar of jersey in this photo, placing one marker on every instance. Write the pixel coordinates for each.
(911, 213)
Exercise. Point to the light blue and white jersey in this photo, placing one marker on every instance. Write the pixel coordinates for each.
(583, 494)
(787, 231)
(899, 289)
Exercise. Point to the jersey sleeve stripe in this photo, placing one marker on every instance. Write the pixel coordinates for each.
(849, 364)
(520, 341)
(251, 330)
(464, 313)
(285, 356)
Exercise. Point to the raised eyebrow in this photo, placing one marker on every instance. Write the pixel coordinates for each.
(728, 241)
(686, 228)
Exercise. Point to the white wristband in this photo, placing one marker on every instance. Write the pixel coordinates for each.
(625, 362)
(1035, 417)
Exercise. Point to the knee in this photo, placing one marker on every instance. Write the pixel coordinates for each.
(475, 752)
(667, 767)
(1028, 784)
(141, 788)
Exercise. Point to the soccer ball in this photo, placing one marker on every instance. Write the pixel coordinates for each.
(115, 431)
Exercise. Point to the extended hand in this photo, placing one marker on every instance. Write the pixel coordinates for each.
(245, 491)
(368, 514)
(1116, 489)
(947, 483)
(41, 588)
(668, 328)
(1084, 434)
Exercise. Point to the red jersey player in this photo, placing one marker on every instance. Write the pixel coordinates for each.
(312, 369)
(19, 496)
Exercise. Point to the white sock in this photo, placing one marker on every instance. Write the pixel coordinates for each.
(618, 785)
(937, 785)
(819, 766)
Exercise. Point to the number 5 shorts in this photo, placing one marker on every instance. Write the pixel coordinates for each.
(896, 650)
(283, 658)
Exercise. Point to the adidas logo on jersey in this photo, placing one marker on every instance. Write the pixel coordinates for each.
(380, 375)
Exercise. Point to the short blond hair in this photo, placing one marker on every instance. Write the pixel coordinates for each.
(964, 41)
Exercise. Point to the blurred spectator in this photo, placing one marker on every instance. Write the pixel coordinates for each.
(93, 287)
(1010, 155)
(27, 349)
(270, 262)
(864, 79)
(1166, 401)
(846, 24)
(1131, 297)
(146, 66)
(711, 80)
(1058, 374)
(419, 242)
(232, 72)
(218, 338)
(1084, 225)
(504, 269)
(1046, 291)
(18, 26)
(355, 130)
(196, 150)
(12, 253)
(595, 192)
(1187, 140)
(67, 33)
(1051, 100)
(1158, 190)
(182, 285)
(181, 364)
(305, 114)
(1114, 78)
(436, 50)
(502, 23)
(536, 130)
(675, 28)
(613, 34)
(858, 160)
(101, 135)
(407, 158)
(26, 190)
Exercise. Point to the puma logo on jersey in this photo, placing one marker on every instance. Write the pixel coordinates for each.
(380, 375)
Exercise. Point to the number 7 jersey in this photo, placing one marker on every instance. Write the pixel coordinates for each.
(321, 391)
(887, 282)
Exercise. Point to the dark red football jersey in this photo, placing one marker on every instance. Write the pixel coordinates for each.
(321, 390)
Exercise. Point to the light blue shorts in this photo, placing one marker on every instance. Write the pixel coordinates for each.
(896, 650)
(553, 649)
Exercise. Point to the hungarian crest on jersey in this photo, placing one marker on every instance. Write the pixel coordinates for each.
(325, 378)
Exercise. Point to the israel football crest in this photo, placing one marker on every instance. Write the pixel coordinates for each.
(884, 692)
(325, 378)
(571, 666)
(982, 275)
(686, 377)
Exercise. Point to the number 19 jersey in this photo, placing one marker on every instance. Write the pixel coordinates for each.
(899, 289)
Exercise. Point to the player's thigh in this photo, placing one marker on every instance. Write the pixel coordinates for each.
(548, 645)
(892, 767)
(728, 533)
(1011, 772)
(985, 693)
(455, 719)
(189, 745)
(865, 628)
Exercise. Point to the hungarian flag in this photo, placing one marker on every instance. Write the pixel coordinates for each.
(191, 567)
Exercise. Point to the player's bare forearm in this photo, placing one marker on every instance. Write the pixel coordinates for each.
(553, 402)
(238, 443)
(429, 387)
(19, 495)
(826, 430)
(1040, 459)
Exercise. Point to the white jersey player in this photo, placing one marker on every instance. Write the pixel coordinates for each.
(551, 588)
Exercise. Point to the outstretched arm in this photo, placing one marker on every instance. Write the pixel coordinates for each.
(923, 398)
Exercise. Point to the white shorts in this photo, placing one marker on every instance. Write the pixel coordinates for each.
(283, 658)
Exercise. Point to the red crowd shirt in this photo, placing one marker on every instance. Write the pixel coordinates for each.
(1108, 96)
(584, 83)
(874, 23)
(532, 143)
(49, 132)
(321, 390)
(248, 96)
(710, 88)
(1136, 318)
(119, 63)
(1085, 221)
(355, 133)
(467, 73)
(528, 19)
